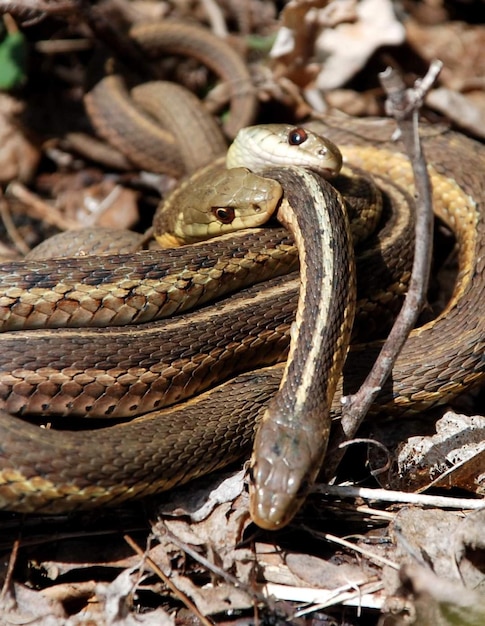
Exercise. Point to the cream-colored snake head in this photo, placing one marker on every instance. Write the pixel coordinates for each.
(281, 145)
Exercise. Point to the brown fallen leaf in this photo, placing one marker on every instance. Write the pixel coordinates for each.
(339, 37)
(18, 154)
(454, 456)
(465, 110)
(437, 538)
(433, 601)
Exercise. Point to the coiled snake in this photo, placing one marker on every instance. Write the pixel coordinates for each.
(58, 471)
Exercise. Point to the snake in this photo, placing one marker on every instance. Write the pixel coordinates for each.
(160, 125)
(58, 471)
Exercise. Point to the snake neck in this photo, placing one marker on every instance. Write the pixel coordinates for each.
(291, 441)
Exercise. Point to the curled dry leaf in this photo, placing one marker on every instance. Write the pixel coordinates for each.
(460, 48)
(469, 549)
(220, 533)
(204, 496)
(353, 102)
(453, 457)
(301, 570)
(458, 45)
(27, 606)
(449, 542)
(214, 526)
(213, 542)
(213, 599)
(104, 204)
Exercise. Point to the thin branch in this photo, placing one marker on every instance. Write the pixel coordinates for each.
(38, 209)
(7, 582)
(403, 104)
(388, 495)
(372, 556)
(156, 570)
(11, 228)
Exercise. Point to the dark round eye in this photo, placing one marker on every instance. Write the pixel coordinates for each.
(297, 136)
(225, 215)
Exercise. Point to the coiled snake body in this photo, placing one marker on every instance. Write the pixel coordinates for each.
(58, 471)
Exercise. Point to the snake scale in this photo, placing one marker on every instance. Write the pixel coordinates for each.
(56, 471)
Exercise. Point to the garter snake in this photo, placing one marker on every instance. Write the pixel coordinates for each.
(184, 136)
(58, 471)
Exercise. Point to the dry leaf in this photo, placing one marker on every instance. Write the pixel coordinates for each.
(201, 498)
(211, 599)
(104, 204)
(437, 537)
(27, 606)
(458, 45)
(437, 602)
(453, 457)
(115, 599)
(18, 155)
(348, 33)
(467, 111)
(345, 49)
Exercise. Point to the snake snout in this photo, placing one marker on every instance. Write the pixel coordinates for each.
(274, 505)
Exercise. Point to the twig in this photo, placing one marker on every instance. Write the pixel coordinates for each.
(212, 567)
(372, 556)
(403, 104)
(179, 594)
(9, 573)
(387, 495)
(215, 17)
(10, 227)
(356, 594)
(39, 209)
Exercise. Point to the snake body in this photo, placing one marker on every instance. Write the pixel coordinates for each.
(161, 126)
(58, 471)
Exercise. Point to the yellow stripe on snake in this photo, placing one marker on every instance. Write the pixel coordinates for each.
(134, 369)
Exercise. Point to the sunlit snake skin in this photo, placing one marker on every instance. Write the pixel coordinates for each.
(439, 361)
(184, 135)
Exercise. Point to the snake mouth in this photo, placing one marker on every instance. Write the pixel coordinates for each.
(324, 172)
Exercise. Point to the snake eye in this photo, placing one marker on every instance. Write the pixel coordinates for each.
(297, 136)
(225, 215)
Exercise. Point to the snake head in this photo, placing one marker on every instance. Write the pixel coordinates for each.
(284, 466)
(283, 145)
(214, 202)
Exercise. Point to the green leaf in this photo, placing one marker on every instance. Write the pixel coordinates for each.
(13, 61)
